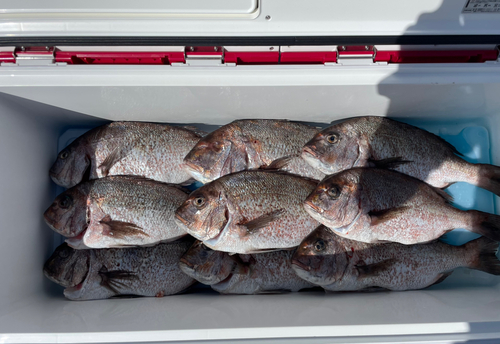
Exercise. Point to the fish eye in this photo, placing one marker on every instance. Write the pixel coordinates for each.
(319, 245)
(65, 202)
(332, 138)
(63, 155)
(199, 202)
(64, 254)
(334, 192)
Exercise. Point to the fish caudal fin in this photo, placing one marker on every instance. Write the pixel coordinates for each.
(489, 178)
(483, 255)
(487, 225)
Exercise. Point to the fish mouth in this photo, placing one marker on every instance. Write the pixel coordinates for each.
(50, 220)
(309, 151)
(187, 264)
(224, 283)
(76, 242)
(313, 207)
(184, 225)
(301, 265)
(193, 167)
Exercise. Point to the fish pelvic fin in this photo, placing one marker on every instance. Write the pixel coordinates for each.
(262, 221)
(115, 279)
(373, 270)
(389, 163)
(120, 229)
(483, 255)
(381, 216)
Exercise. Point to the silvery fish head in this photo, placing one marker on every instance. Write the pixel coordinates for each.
(204, 214)
(67, 267)
(67, 215)
(333, 149)
(335, 201)
(205, 265)
(71, 164)
(320, 259)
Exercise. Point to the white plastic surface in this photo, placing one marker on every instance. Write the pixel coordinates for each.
(39, 104)
(243, 18)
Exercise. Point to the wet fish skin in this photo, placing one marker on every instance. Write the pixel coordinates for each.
(206, 265)
(374, 205)
(340, 264)
(149, 150)
(249, 211)
(242, 274)
(117, 211)
(368, 141)
(142, 271)
(251, 144)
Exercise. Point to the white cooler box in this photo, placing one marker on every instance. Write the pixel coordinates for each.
(68, 67)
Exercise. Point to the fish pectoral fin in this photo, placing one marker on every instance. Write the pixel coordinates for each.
(446, 196)
(265, 250)
(120, 229)
(280, 163)
(373, 270)
(379, 216)
(116, 155)
(186, 183)
(115, 279)
(389, 163)
(262, 221)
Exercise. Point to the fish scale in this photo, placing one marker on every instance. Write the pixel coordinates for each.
(247, 196)
(370, 140)
(375, 205)
(150, 150)
(338, 265)
(148, 271)
(242, 274)
(251, 144)
(118, 211)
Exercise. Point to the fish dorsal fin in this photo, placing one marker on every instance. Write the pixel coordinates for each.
(115, 279)
(121, 229)
(182, 186)
(447, 197)
(199, 132)
(446, 144)
(381, 216)
(389, 163)
(373, 270)
(262, 221)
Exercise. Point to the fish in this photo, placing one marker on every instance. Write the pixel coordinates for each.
(104, 273)
(260, 273)
(117, 211)
(340, 264)
(375, 205)
(249, 212)
(154, 151)
(251, 144)
(373, 141)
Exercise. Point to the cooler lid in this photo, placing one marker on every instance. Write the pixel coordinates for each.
(258, 19)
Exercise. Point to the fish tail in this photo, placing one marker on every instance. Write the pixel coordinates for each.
(489, 178)
(486, 224)
(482, 254)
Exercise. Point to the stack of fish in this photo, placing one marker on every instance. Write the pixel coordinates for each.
(264, 222)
